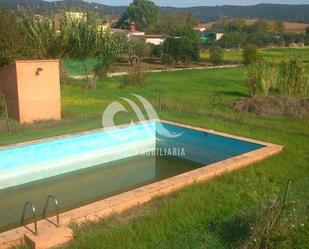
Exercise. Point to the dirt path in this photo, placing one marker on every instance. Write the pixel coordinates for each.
(110, 75)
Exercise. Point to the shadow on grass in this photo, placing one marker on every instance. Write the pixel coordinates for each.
(234, 231)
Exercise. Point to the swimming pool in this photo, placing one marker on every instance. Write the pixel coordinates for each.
(90, 166)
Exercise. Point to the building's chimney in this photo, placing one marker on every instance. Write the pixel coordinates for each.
(132, 27)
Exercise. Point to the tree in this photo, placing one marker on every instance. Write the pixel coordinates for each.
(182, 45)
(307, 30)
(231, 40)
(179, 49)
(13, 41)
(108, 48)
(42, 36)
(250, 55)
(185, 42)
(144, 13)
(229, 25)
(216, 55)
(83, 40)
(176, 20)
(266, 26)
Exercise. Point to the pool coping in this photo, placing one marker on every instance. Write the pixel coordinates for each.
(118, 203)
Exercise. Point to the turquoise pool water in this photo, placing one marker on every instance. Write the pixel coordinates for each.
(84, 168)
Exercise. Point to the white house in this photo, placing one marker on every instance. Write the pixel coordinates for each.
(150, 39)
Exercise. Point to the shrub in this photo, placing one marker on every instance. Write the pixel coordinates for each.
(250, 55)
(136, 76)
(216, 55)
(156, 51)
(167, 59)
(142, 49)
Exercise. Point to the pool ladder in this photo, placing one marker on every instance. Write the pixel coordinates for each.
(33, 209)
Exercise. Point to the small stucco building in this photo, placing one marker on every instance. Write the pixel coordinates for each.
(32, 90)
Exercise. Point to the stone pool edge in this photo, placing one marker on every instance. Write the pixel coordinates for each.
(49, 236)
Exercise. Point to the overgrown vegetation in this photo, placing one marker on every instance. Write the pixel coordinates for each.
(287, 78)
(273, 222)
(262, 33)
(293, 78)
(261, 78)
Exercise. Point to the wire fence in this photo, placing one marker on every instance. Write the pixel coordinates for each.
(276, 224)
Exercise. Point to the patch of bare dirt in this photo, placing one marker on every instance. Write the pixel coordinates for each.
(278, 106)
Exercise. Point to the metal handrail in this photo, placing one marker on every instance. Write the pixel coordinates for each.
(56, 207)
(28, 203)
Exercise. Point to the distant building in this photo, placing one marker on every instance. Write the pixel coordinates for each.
(104, 26)
(218, 36)
(123, 32)
(133, 34)
(154, 39)
(75, 16)
(132, 27)
(200, 29)
(206, 37)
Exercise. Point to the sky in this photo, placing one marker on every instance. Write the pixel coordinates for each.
(189, 3)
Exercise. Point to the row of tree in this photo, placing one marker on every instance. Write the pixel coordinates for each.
(262, 33)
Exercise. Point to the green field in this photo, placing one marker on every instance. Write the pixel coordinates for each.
(269, 54)
(75, 67)
(213, 214)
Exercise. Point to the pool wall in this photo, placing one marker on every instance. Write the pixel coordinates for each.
(204, 147)
(49, 236)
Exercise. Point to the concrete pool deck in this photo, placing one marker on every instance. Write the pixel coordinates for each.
(50, 236)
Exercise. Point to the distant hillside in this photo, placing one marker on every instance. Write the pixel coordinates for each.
(289, 13)
(290, 27)
(45, 8)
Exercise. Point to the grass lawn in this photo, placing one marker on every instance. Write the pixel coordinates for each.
(213, 214)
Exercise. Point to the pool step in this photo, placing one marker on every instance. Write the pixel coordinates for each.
(49, 237)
